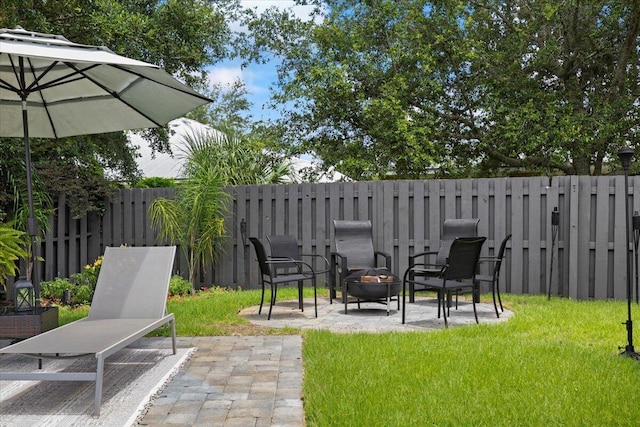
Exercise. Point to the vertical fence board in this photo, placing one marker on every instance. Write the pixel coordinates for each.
(401, 220)
(348, 200)
(306, 220)
(294, 204)
(466, 198)
(485, 227)
(435, 216)
(598, 283)
(319, 227)
(519, 282)
(450, 200)
(384, 226)
(418, 218)
(534, 247)
(254, 229)
(61, 231)
(620, 240)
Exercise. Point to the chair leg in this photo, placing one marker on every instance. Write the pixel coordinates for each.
(300, 297)
(404, 304)
(274, 291)
(475, 313)
(493, 292)
(315, 296)
(498, 291)
(412, 293)
(442, 297)
(261, 299)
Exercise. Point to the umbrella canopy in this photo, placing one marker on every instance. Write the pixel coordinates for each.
(73, 89)
(51, 87)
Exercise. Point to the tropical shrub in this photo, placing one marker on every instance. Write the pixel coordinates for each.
(53, 290)
(11, 250)
(179, 286)
(82, 294)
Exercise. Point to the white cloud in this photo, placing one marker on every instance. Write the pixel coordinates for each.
(262, 5)
(225, 76)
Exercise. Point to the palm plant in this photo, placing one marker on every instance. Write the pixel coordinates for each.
(240, 160)
(194, 219)
(12, 248)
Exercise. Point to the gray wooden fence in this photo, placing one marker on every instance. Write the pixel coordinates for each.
(588, 256)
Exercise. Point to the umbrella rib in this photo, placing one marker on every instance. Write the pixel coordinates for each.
(5, 85)
(114, 94)
(197, 95)
(38, 90)
(69, 78)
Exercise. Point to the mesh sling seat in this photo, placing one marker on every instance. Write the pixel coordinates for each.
(269, 274)
(458, 273)
(451, 229)
(129, 302)
(354, 251)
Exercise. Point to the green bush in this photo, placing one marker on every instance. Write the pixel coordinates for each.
(155, 182)
(81, 285)
(81, 294)
(89, 274)
(53, 289)
(179, 286)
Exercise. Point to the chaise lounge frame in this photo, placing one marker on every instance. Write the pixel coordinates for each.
(128, 303)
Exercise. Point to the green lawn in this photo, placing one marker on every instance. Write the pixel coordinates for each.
(553, 363)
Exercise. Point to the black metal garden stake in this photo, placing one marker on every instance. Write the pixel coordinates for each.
(636, 244)
(625, 155)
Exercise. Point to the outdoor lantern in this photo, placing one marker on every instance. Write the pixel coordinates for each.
(24, 297)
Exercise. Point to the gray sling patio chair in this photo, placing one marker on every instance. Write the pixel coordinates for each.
(128, 303)
(451, 229)
(457, 273)
(285, 247)
(354, 251)
(269, 274)
(494, 277)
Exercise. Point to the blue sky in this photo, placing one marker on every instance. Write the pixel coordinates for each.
(256, 77)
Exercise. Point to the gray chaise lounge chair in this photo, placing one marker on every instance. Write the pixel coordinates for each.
(128, 303)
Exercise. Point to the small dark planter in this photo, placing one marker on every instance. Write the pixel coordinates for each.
(21, 325)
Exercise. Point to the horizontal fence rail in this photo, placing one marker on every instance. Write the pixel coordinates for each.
(589, 251)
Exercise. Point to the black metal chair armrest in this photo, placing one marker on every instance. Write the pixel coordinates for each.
(327, 266)
(387, 258)
(489, 259)
(423, 269)
(301, 265)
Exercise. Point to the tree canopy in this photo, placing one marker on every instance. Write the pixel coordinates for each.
(409, 89)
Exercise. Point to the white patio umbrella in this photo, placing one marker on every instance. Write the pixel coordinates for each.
(53, 88)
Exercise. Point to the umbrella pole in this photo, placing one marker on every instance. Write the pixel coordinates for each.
(31, 222)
